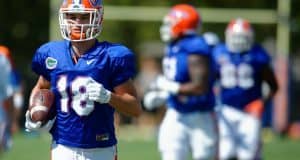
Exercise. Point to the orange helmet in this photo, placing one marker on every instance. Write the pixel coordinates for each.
(181, 20)
(239, 35)
(89, 10)
(6, 52)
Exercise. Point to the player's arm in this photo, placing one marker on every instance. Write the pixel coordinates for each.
(255, 108)
(125, 99)
(199, 72)
(198, 67)
(269, 77)
(41, 83)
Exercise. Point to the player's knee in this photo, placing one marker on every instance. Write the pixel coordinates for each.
(207, 154)
(173, 155)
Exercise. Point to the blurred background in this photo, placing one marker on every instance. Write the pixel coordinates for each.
(28, 24)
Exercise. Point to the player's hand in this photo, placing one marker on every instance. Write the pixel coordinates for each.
(162, 83)
(96, 92)
(37, 126)
(255, 108)
(155, 99)
(30, 125)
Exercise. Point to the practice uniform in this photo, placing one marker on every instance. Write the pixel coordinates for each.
(15, 78)
(81, 123)
(6, 90)
(241, 83)
(189, 121)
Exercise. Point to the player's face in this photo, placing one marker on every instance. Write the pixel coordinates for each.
(78, 24)
(78, 20)
(80, 16)
(166, 29)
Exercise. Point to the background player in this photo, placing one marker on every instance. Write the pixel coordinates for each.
(242, 67)
(90, 79)
(189, 123)
(17, 85)
(6, 109)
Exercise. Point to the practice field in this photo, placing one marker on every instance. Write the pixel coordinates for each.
(135, 144)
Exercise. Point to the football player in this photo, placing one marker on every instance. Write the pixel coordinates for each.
(189, 123)
(6, 109)
(242, 66)
(18, 96)
(90, 80)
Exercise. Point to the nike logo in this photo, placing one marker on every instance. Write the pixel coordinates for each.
(88, 62)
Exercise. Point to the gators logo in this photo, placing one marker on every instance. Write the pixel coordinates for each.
(51, 63)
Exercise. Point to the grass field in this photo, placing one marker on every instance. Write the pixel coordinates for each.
(135, 144)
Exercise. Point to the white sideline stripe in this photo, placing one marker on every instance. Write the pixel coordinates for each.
(38, 108)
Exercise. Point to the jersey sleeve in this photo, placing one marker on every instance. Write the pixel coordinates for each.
(197, 46)
(123, 67)
(262, 56)
(38, 62)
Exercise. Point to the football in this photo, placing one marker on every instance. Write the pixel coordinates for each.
(41, 103)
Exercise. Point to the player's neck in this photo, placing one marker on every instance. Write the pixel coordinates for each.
(80, 48)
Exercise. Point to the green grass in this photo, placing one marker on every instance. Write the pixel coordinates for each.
(29, 147)
(281, 149)
(136, 144)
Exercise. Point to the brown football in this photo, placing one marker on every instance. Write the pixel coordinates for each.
(42, 101)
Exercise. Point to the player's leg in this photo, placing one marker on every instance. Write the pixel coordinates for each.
(172, 138)
(107, 153)
(2, 137)
(203, 136)
(227, 125)
(172, 155)
(5, 134)
(60, 152)
(250, 141)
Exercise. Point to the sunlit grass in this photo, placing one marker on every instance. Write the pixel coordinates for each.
(138, 144)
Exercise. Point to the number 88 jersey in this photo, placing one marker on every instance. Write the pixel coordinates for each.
(240, 75)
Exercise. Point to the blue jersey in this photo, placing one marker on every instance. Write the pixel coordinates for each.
(240, 74)
(106, 63)
(175, 67)
(6, 88)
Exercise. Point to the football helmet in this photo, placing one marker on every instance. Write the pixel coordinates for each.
(80, 20)
(239, 35)
(182, 19)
